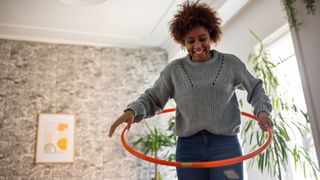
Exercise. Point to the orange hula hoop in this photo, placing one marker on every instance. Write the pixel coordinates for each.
(209, 164)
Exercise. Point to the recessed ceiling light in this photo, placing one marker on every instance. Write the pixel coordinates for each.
(81, 2)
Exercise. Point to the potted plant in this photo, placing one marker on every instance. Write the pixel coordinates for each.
(287, 118)
(291, 11)
(154, 141)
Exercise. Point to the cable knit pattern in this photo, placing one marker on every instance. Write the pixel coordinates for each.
(204, 93)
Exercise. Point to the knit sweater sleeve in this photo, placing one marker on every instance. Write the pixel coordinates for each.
(154, 99)
(256, 94)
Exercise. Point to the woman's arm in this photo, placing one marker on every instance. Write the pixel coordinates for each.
(153, 100)
(257, 97)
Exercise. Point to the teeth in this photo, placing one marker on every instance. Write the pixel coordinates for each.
(199, 52)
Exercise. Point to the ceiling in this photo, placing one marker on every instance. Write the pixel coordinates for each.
(109, 23)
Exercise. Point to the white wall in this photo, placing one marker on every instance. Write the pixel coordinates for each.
(307, 46)
(262, 17)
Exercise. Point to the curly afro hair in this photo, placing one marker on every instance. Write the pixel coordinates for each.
(194, 14)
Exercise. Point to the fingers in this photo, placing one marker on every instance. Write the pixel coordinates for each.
(126, 117)
(264, 121)
(262, 125)
(270, 124)
(129, 124)
(115, 125)
(112, 129)
(265, 124)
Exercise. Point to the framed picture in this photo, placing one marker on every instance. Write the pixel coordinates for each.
(55, 138)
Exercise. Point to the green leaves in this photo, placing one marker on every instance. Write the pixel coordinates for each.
(153, 140)
(291, 12)
(287, 118)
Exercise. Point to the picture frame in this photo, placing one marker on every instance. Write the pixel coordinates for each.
(55, 141)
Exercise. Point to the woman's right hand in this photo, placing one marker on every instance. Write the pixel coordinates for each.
(125, 117)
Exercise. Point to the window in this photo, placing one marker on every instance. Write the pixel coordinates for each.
(281, 49)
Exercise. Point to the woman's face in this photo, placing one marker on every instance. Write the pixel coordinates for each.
(197, 42)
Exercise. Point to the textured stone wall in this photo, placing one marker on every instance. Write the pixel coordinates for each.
(95, 83)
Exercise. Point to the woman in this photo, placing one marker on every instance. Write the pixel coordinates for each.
(203, 86)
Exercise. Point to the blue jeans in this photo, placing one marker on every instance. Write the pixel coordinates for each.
(203, 147)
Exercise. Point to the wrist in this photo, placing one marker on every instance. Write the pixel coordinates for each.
(263, 112)
(129, 111)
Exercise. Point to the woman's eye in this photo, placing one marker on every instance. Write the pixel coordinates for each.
(202, 40)
(190, 42)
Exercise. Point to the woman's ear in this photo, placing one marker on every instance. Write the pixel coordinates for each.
(182, 47)
(182, 44)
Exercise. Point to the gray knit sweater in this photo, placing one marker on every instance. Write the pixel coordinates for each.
(204, 93)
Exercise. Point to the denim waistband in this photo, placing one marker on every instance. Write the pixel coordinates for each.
(205, 132)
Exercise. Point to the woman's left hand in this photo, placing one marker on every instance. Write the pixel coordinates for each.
(264, 121)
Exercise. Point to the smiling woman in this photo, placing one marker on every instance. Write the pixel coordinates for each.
(203, 85)
(198, 42)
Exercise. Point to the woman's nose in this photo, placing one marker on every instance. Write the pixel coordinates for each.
(197, 44)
